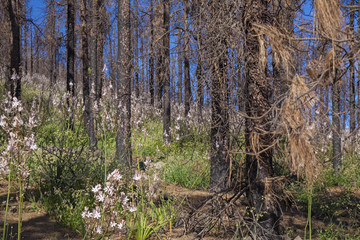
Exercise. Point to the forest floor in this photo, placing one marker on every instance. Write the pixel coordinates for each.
(38, 225)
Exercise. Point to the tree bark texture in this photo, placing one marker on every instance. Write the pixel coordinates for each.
(187, 83)
(123, 131)
(258, 138)
(14, 79)
(165, 73)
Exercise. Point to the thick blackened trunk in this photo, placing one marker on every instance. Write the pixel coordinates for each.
(219, 162)
(258, 138)
(187, 83)
(166, 71)
(100, 41)
(88, 99)
(151, 54)
(336, 128)
(14, 79)
(70, 48)
(123, 132)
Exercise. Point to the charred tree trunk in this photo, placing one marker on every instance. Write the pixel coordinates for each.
(165, 73)
(258, 138)
(136, 50)
(151, 54)
(70, 48)
(14, 80)
(159, 78)
(336, 128)
(53, 43)
(88, 98)
(100, 41)
(219, 162)
(187, 83)
(180, 69)
(352, 75)
(123, 132)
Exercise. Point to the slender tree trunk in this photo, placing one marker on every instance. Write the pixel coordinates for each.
(70, 48)
(14, 79)
(111, 62)
(31, 52)
(180, 68)
(187, 83)
(123, 132)
(88, 98)
(151, 55)
(258, 140)
(166, 70)
(136, 50)
(336, 128)
(25, 52)
(159, 78)
(100, 41)
(52, 54)
(352, 74)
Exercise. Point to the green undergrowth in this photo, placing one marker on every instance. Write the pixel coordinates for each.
(333, 198)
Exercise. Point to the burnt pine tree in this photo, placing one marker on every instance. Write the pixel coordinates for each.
(151, 54)
(352, 73)
(70, 48)
(123, 130)
(53, 43)
(258, 138)
(219, 136)
(86, 71)
(165, 72)
(335, 114)
(187, 83)
(70, 60)
(14, 79)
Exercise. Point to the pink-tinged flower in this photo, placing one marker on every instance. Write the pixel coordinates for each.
(15, 102)
(96, 188)
(3, 123)
(109, 189)
(98, 230)
(89, 215)
(115, 175)
(85, 213)
(132, 209)
(137, 176)
(121, 224)
(147, 162)
(113, 224)
(100, 197)
(96, 214)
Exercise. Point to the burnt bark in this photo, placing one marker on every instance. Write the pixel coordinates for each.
(352, 74)
(151, 55)
(14, 80)
(88, 99)
(258, 139)
(123, 131)
(165, 73)
(336, 128)
(219, 160)
(187, 83)
(70, 48)
(180, 69)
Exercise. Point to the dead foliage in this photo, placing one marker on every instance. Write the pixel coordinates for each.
(296, 112)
